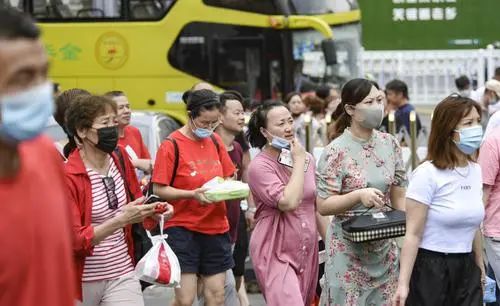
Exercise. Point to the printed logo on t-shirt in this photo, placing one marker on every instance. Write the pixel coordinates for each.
(203, 166)
(466, 187)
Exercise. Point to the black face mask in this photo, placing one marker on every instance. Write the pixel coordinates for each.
(108, 139)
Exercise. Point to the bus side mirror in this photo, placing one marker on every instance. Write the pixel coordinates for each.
(328, 47)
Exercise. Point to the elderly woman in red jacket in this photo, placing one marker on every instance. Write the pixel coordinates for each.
(102, 186)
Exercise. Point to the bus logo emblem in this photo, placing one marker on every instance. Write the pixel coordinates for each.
(111, 50)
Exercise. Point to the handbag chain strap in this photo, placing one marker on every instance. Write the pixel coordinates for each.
(385, 204)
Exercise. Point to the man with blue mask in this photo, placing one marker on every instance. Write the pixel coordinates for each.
(34, 218)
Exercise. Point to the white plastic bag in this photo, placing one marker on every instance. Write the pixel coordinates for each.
(160, 265)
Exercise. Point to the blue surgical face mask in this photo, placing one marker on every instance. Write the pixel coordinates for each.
(470, 139)
(202, 133)
(24, 115)
(279, 143)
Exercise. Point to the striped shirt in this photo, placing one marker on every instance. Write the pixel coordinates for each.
(110, 258)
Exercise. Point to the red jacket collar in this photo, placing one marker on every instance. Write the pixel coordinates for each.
(75, 165)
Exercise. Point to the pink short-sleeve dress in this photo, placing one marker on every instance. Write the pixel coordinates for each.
(284, 245)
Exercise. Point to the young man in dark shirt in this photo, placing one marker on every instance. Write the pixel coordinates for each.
(397, 97)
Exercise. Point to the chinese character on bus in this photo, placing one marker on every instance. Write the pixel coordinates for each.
(70, 52)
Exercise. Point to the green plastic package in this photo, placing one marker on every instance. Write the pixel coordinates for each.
(221, 190)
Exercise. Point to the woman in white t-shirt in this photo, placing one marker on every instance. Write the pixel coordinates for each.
(441, 260)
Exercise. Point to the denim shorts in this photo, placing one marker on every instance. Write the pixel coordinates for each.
(200, 253)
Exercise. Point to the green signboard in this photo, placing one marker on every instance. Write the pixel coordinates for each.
(429, 24)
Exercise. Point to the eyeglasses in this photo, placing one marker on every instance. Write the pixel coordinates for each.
(212, 126)
(109, 183)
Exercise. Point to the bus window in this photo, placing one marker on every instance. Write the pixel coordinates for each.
(190, 53)
(247, 59)
(53, 10)
(76, 9)
(254, 6)
(16, 4)
(347, 45)
(149, 9)
(315, 7)
(238, 62)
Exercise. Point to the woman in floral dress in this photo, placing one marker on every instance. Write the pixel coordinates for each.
(362, 168)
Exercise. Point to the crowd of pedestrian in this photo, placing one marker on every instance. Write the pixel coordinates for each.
(71, 217)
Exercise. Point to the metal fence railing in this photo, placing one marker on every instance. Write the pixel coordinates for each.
(430, 74)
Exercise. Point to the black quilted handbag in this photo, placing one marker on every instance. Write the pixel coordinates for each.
(375, 226)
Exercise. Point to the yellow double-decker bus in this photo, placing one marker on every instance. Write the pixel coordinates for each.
(156, 49)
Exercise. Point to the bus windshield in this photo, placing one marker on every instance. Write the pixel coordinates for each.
(307, 51)
(316, 7)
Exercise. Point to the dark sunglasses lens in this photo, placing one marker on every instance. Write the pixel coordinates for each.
(109, 184)
(112, 200)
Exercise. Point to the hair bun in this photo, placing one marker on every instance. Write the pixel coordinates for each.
(185, 96)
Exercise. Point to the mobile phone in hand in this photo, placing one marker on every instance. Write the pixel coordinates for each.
(152, 199)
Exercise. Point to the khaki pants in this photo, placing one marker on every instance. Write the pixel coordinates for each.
(123, 291)
(492, 247)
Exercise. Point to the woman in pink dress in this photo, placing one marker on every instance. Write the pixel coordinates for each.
(284, 243)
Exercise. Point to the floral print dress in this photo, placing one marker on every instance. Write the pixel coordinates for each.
(359, 273)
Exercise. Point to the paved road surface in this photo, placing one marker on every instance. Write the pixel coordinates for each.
(163, 297)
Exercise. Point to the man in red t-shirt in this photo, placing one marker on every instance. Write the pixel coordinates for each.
(130, 136)
(36, 265)
(198, 231)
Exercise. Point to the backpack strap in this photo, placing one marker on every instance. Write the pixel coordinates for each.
(176, 165)
(216, 143)
(176, 155)
(122, 171)
(176, 160)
